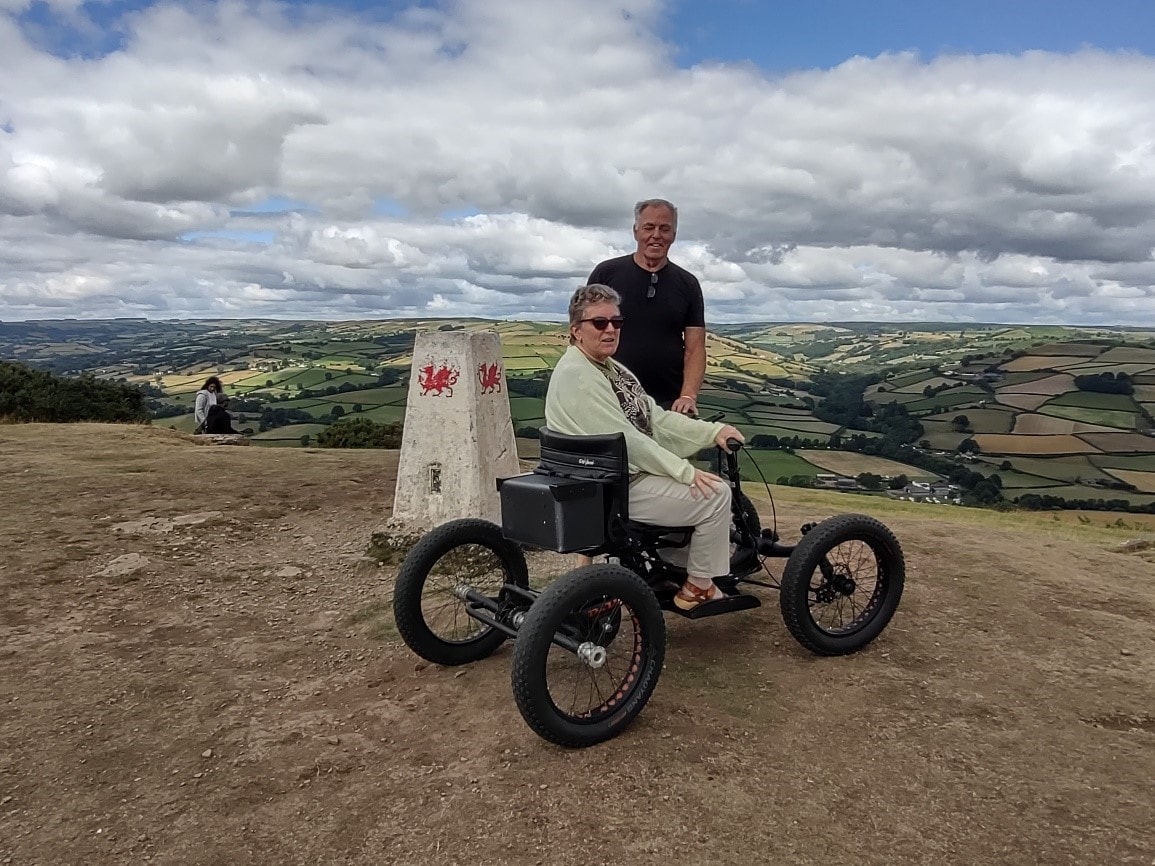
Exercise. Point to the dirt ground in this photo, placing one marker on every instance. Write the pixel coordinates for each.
(197, 665)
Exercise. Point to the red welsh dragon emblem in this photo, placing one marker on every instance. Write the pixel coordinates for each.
(438, 380)
(489, 375)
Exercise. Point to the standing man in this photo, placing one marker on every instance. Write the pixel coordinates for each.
(664, 339)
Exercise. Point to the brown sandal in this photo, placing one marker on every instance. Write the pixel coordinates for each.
(691, 596)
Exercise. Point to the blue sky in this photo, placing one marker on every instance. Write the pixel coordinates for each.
(777, 35)
(823, 33)
(976, 161)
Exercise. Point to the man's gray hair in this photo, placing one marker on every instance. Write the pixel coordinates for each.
(587, 296)
(654, 202)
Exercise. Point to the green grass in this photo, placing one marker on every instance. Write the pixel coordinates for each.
(1118, 420)
(1082, 492)
(1063, 469)
(291, 434)
(526, 407)
(1024, 376)
(1136, 463)
(775, 464)
(1094, 400)
(968, 395)
(381, 414)
(1018, 480)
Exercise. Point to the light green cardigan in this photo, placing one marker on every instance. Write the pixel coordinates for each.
(580, 401)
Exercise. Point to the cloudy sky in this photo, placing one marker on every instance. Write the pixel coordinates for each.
(983, 161)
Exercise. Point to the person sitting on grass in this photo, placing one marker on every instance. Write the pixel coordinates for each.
(589, 393)
(219, 421)
(207, 397)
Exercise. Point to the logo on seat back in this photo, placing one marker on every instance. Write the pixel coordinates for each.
(582, 461)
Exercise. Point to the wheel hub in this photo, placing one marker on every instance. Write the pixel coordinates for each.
(834, 586)
(591, 654)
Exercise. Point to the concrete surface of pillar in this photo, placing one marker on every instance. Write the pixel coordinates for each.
(458, 437)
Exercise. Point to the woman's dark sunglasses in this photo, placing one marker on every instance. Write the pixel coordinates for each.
(600, 323)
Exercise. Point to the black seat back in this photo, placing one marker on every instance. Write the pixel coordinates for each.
(600, 457)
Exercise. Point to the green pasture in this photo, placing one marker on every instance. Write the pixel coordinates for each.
(376, 396)
(761, 410)
(919, 385)
(312, 405)
(1129, 369)
(752, 430)
(1136, 463)
(1128, 355)
(345, 361)
(1084, 492)
(1021, 378)
(1093, 400)
(289, 435)
(941, 434)
(1017, 481)
(526, 408)
(524, 363)
(983, 420)
(904, 379)
(1087, 350)
(1063, 469)
(384, 414)
(1118, 420)
(968, 395)
(722, 400)
(277, 377)
(774, 464)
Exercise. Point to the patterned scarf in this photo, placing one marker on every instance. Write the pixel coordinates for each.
(631, 397)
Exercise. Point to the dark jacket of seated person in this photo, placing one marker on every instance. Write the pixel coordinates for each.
(219, 421)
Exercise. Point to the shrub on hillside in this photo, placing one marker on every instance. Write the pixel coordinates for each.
(361, 433)
(34, 395)
(1105, 383)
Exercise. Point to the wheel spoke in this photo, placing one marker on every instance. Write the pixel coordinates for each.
(855, 564)
(473, 565)
(586, 694)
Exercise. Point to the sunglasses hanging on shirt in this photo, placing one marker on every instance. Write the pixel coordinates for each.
(652, 290)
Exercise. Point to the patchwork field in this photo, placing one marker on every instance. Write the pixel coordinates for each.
(1030, 363)
(1144, 481)
(1026, 402)
(1030, 424)
(850, 465)
(1101, 417)
(1052, 386)
(993, 443)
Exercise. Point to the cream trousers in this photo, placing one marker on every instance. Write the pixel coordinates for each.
(663, 501)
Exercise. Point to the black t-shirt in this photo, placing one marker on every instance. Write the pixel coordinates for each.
(652, 343)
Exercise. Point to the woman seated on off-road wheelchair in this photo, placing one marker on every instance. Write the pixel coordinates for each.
(614, 480)
(590, 393)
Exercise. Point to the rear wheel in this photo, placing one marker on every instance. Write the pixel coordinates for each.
(427, 602)
(842, 584)
(612, 619)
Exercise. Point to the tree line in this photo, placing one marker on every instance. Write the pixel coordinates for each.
(30, 395)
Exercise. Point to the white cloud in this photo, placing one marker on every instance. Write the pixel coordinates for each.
(971, 188)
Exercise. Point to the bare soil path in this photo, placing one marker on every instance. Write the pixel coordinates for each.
(197, 665)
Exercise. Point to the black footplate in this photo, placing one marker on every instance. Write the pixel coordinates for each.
(729, 604)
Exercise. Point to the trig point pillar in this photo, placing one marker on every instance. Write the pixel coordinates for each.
(458, 437)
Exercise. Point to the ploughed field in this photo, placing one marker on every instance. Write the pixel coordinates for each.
(197, 665)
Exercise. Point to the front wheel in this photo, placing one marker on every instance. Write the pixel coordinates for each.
(842, 584)
(427, 603)
(590, 690)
